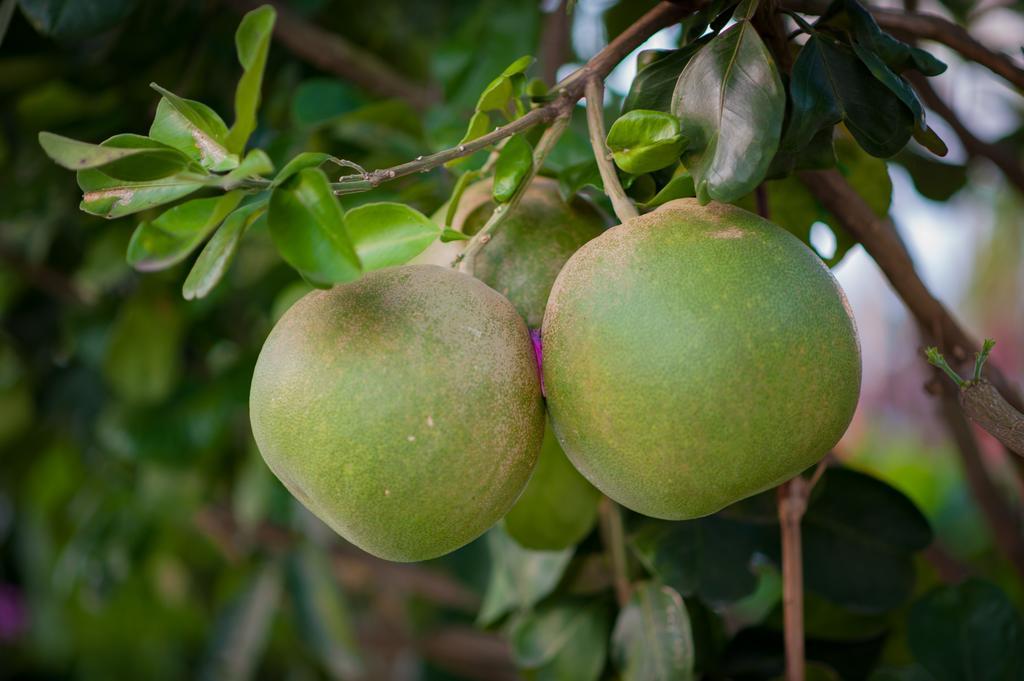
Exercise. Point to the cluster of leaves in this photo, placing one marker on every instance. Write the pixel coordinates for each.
(706, 598)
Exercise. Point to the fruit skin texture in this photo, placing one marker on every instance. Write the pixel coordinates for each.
(525, 254)
(402, 409)
(695, 356)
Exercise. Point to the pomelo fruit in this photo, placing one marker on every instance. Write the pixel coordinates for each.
(402, 409)
(695, 356)
(525, 254)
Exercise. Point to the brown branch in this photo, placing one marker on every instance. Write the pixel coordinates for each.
(554, 42)
(1001, 156)
(930, 27)
(333, 54)
(792, 503)
(355, 570)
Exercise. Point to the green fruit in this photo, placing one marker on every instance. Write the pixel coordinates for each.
(695, 356)
(402, 409)
(558, 507)
(525, 254)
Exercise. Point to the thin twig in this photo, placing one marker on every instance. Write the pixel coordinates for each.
(930, 27)
(624, 208)
(792, 502)
(614, 536)
(466, 260)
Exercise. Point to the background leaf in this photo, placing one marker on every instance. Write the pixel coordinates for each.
(562, 641)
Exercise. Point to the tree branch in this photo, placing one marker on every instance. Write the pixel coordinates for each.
(333, 54)
(930, 27)
(976, 148)
(624, 208)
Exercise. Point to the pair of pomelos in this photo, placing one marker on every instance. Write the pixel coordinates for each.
(692, 356)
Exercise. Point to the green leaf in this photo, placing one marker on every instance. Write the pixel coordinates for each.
(123, 157)
(112, 198)
(558, 508)
(479, 125)
(252, 41)
(562, 641)
(308, 229)
(307, 159)
(653, 85)
(892, 81)
(573, 178)
(710, 557)
(496, 96)
(830, 84)
(242, 628)
(321, 614)
(652, 639)
(194, 128)
(642, 141)
(930, 140)
(216, 256)
(731, 104)
(68, 19)
(169, 238)
(514, 163)
(933, 179)
(519, 66)
(388, 234)
(143, 356)
(255, 163)
(519, 578)
(967, 632)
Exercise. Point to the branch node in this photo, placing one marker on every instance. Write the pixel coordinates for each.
(936, 359)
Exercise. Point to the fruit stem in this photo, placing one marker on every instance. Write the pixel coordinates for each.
(622, 205)
(466, 260)
(792, 502)
(613, 535)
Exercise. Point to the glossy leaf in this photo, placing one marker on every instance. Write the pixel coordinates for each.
(652, 639)
(967, 632)
(67, 19)
(308, 229)
(562, 641)
(830, 84)
(496, 96)
(252, 42)
(654, 82)
(679, 187)
(107, 197)
(243, 627)
(306, 159)
(642, 141)
(388, 234)
(123, 157)
(895, 53)
(479, 125)
(519, 578)
(194, 128)
(216, 256)
(730, 101)
(514, 163)
(321, 613)
(169, 238)
(892, 81)
(450, 235)
(142, 363)
(558, 508)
